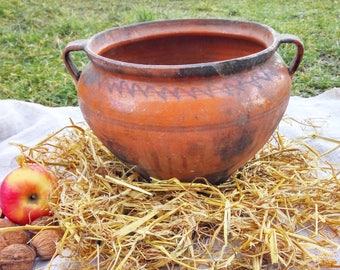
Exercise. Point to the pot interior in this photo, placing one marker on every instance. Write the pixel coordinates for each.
(182, 49)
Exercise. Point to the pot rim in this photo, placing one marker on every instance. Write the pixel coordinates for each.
(204, 69)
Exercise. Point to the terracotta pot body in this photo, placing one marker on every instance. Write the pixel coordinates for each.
(184, 98)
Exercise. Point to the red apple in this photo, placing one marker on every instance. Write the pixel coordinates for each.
(25, 192)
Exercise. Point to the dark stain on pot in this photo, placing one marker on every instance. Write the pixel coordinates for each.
(92, 78)
(120, 149)
(154, 159)
(225, 150)
(218, 177)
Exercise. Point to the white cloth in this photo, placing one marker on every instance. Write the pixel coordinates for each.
(29, 123)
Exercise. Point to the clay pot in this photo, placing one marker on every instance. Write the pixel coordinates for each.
(184, 98)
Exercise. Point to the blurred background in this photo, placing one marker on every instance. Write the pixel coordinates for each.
(34, 33)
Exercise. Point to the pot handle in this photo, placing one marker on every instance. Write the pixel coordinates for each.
(77, 45)
(288, 38)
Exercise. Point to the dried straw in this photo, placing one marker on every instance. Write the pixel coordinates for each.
(277, 212)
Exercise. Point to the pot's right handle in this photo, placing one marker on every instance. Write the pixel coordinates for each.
(77, 45)
(288, 38)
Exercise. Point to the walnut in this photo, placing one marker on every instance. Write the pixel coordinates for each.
(45, 242)
(17, 257)
(42, 221)
(11, 237)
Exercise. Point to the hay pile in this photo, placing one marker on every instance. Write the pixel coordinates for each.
(276, 212)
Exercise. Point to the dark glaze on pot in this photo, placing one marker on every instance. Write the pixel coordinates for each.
(184, 98)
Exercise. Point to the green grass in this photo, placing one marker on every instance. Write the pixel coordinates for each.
(33, 34)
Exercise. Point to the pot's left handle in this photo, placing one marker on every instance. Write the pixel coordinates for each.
(77, 45)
